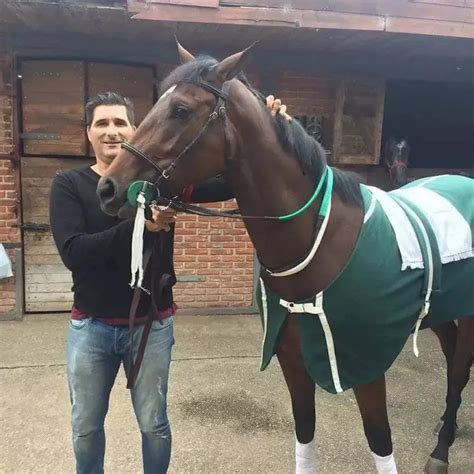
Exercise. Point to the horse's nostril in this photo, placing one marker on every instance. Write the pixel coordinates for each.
(106, 190)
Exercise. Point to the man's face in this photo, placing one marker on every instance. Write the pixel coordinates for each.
(110, 127)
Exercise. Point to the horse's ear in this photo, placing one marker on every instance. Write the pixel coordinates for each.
(229, 67)
(184, 55)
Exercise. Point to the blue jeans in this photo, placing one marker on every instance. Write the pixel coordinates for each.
(95, 352)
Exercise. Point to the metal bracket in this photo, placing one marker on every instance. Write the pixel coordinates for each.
(40, 136)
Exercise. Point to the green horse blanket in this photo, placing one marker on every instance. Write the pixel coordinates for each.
(352, 332)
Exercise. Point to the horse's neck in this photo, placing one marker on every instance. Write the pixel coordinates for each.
(268, 181)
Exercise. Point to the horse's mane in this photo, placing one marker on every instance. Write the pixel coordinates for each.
(292, 136)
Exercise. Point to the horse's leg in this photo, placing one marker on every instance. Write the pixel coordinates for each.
(458, 376)
(447, 334)
(301, 388)
(372, 401)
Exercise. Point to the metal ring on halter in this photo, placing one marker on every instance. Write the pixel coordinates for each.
(165, 174)
(155, 205)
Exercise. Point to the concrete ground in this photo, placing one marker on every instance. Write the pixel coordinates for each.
(226, 416)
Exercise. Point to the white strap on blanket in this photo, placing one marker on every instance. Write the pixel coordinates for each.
(310, 308)
(136, 263)
(317, 308)
(426, 306)
(302, 265)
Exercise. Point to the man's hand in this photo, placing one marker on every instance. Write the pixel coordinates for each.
(161, 219)
(276, 108)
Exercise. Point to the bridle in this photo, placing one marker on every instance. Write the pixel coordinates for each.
(219, 112)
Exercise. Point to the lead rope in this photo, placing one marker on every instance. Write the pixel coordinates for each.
(136, 262)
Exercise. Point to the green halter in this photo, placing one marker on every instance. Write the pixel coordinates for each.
(327, 195)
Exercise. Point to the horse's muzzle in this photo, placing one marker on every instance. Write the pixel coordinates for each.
(110, 198)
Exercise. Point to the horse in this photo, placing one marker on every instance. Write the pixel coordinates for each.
(397, 153)
(209, 121)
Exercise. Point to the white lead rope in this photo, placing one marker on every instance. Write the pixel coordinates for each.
(136, 263)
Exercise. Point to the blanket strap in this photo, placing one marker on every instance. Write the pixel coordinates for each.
(431, 257)
(317, 309)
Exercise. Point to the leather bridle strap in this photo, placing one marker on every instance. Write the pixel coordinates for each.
(139, 154)
(218, 112)
(134, 366)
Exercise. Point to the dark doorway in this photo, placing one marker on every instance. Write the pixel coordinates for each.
(436, 118)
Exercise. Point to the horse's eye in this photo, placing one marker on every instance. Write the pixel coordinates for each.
(181, 112)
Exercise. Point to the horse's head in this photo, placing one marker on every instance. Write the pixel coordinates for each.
(183, 139)
(397, 153)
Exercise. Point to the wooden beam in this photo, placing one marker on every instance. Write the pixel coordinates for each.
(426, 19)
(264, 17)
(187, 3)
(444, 10)
(430, 27)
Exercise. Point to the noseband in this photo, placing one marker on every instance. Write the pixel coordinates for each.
(219, 112)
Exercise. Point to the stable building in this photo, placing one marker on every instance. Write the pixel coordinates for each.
(353, 72)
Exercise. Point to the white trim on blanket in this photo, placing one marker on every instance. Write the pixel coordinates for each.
(426, 307)
(371, 208)
(329, 343)
(429, 180)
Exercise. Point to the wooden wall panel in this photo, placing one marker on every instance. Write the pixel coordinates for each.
(47, 281)
(133, 82)
(53, 107)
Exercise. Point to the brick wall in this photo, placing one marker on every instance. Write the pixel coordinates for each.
(308, 94)
(219, 253)
(8, 196)
(311, 95)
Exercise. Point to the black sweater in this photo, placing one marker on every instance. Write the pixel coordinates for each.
(96, 247)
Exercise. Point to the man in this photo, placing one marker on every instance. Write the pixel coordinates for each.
(96, 248)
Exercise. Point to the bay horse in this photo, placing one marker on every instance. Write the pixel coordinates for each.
(209, 121)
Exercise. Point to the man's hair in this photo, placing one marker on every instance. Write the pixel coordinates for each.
(109, 98)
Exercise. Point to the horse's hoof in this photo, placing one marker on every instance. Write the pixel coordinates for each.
(435, 466)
